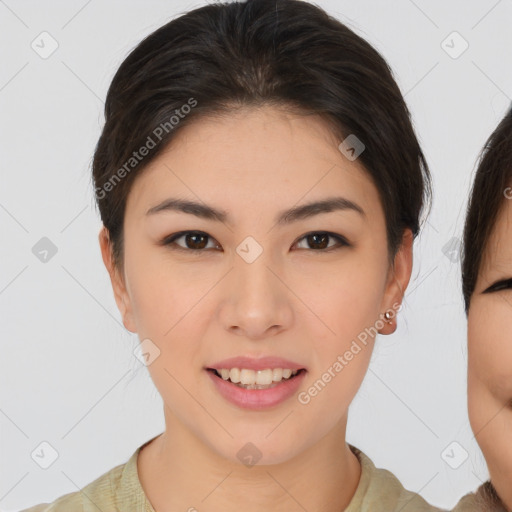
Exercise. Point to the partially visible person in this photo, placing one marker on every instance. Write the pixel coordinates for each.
(487, 289)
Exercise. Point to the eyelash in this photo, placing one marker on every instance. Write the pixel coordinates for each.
(170, 241)
(499, 285)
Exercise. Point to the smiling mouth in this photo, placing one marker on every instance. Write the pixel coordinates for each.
(256, 379)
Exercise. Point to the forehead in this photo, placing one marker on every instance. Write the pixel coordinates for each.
(258, 158)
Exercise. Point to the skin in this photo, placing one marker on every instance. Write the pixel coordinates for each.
(296, 301)
(490, 357)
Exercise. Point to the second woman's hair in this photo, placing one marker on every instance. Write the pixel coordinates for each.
(492, 186)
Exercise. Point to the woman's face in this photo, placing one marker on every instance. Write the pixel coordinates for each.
(490, 356)
(251, 286)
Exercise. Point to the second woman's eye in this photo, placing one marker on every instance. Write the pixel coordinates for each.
(504, 284)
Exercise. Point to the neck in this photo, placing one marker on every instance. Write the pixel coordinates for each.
(179, 472)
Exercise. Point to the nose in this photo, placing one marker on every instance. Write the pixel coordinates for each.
(257, 301)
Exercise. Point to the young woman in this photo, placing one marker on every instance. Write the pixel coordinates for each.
(260, 186)
(487, 287)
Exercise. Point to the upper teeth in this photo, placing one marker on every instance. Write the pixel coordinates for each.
(260, 377)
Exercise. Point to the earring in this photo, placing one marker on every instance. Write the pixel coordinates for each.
(388, 317)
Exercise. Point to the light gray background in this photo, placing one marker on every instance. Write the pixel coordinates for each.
(68, 373)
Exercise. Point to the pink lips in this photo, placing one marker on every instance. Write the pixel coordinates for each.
(256, 364)
(256, 399)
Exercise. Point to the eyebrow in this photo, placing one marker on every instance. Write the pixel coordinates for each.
(294, 214)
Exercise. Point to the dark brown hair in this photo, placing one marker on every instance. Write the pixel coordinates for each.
(488, 195)
(286, 53)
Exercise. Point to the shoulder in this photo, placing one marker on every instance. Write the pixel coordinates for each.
(380, 491)
(105, 492)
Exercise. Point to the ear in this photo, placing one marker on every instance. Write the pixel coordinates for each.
(398, 279)
(118, 284)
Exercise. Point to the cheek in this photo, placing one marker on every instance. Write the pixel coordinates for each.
(343, 295)
(162, 293)
(348, 301)
(495, 441)
(490, 384)
(490, 350)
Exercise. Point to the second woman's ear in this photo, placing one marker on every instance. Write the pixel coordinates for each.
(118, 285)
(398, 280)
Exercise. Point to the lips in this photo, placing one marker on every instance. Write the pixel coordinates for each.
(257, 399)
(262, 363)
(252, 395)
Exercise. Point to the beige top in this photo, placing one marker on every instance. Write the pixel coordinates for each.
(120, 490)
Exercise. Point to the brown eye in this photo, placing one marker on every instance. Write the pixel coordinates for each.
(197, 241)
(320, 241)
(194, 241)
